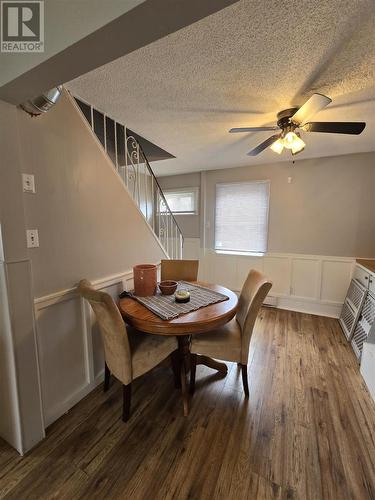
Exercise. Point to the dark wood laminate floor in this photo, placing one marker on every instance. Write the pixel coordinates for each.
(307, 431)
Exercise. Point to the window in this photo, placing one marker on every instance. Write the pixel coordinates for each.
(182, 201)
(241, 217)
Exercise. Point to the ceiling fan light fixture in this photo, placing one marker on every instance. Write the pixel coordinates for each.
(292, 141)
(298, 148)
(289, 139)
(278, 146)
(298, 145)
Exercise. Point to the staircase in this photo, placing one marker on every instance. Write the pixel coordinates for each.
(131, 164)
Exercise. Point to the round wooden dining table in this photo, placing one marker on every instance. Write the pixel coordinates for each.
(196, 322)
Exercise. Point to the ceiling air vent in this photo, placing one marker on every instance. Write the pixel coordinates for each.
(42, 103)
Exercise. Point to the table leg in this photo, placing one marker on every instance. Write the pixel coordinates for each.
(183, 347)
(212, 363)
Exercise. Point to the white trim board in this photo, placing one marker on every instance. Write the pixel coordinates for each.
(10, 421)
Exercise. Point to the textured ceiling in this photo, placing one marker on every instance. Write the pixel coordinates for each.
(63, 26)
(239, 67)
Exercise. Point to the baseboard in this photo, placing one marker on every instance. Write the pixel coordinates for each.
(309, 307)
(270, 301)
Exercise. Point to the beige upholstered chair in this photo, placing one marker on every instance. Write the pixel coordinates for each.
(128, 352)
(231, 342)
(186, 270)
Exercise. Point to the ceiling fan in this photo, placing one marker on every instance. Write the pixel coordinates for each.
(289, 120)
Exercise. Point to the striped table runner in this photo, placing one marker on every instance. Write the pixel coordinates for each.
(167, 308)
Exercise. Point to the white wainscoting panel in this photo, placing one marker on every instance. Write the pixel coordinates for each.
(278, 269)
(70, 349)
(305, 278)
(313, 284)
(61, 353)
(243, 266)
(335, 279)
(225, 270)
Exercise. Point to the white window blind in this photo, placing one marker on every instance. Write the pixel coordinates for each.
(241, 217)
(182, 201)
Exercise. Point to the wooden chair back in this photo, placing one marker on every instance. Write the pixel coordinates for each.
(179, 269)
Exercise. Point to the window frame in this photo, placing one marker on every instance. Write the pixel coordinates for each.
(194, 190)
(243, 252)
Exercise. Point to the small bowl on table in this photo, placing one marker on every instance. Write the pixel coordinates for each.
(168, 287)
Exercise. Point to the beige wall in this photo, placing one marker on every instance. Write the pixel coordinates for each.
(326, 210)
(189, 224)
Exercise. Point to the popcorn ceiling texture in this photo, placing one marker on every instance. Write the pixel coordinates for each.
(240, 67)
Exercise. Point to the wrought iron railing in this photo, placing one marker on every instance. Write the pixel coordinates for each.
(147, 193)
(136, 173)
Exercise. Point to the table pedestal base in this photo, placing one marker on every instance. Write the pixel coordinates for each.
(184, 352)
(212, 363)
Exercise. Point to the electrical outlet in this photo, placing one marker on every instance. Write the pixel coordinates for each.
(28, 183)
(32, 238)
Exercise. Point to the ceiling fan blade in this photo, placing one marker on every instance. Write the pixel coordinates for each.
(335, 127)
(264, 145)
(251, 129)
(310, 108)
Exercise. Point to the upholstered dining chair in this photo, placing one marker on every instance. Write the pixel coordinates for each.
(128, 352)
(231, 342)
(179, 269)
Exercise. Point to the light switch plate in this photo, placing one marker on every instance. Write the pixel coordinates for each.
(28, 183)
(32, 238)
